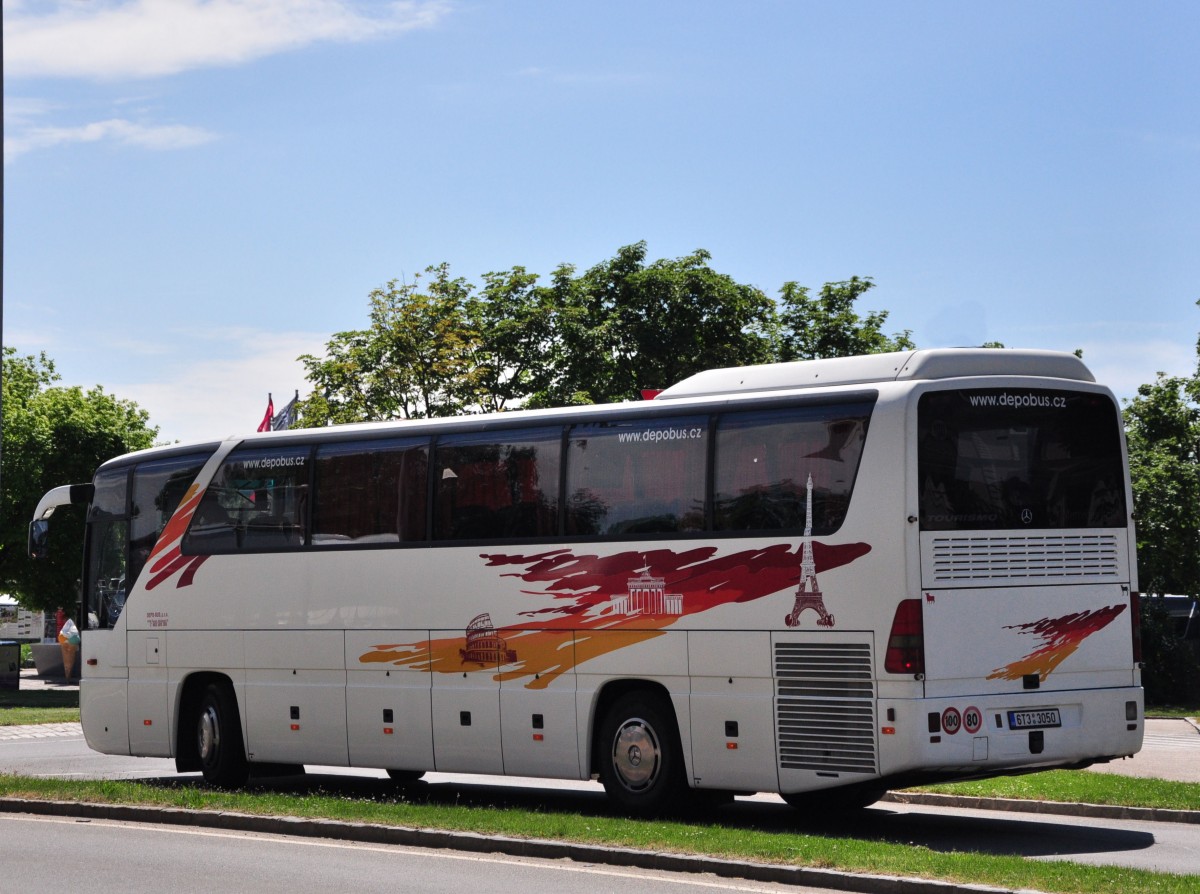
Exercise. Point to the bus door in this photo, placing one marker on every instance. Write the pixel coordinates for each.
(103, 644)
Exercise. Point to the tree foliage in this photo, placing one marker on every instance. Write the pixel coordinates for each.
(54, 435)
(828, 326)
(1163, 433)
(1162, 425)
(623, 325)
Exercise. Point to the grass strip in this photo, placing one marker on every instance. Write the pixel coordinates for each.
(14, 716)
(1081, 787)
(707, 835)
(25, 707)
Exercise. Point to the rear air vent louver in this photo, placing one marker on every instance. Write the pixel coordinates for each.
(1048, 558)
(825, 707)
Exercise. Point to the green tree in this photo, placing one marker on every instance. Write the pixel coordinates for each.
(1163, 432)
(54, 435)
(828, 326)
(510, 322)
(415, 359)
(1162, 429)
(625, 325)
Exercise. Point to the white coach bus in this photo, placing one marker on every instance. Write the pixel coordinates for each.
(822, 579)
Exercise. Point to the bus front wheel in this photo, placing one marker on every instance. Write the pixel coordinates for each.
(641, 766)
(219, 739)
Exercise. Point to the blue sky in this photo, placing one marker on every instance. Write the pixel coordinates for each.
(198, 192)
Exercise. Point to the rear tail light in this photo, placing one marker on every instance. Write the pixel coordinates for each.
(906, 642)
(1135, 618)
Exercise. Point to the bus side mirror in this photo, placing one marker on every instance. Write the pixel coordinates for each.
(39, 531)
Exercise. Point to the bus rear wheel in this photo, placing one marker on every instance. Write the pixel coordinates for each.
(641, 764)
(219, 739)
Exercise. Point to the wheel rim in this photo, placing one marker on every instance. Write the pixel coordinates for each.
(637, 755)
(208, 735)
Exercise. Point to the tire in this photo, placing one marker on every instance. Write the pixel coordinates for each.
(219, 739)
(640, 760)
(403, 777)
(842, 799)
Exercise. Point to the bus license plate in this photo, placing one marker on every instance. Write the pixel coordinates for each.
(1040, 719)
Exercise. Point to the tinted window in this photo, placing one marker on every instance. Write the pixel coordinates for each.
(765, 460)
(108, 549)
(644, 476)
(158, 488)
(372, 492)
(1019, 458)
(497, 486)
(256, 501)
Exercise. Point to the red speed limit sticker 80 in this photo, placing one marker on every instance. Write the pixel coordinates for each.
(972, 719)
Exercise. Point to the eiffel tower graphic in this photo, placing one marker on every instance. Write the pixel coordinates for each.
(808, 594)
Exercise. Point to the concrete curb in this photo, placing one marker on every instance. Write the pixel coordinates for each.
(1056, 808)
(369, 833)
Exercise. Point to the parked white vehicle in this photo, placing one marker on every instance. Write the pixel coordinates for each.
(821, 579)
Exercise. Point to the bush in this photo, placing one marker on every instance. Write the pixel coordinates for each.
(1172, 672)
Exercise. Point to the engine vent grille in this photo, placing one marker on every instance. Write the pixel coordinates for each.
(825, 707)
(1046, 558)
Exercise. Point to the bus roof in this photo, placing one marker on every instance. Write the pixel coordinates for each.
(935, 363)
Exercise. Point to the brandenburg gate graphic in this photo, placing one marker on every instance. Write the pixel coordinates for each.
(647, 596)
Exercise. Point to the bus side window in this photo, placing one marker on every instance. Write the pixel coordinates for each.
(158, 488)
(637, 476)
(765, 461)
(370, 492)
(489, 489)
(257, 500)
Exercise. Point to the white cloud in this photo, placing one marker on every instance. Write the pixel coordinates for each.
(113, 39)
(225, 395)
(116, 130)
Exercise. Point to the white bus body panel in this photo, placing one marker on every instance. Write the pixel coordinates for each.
(732, 710)
(466, 716)
(149, 717)
(104, 690)
(405, 742)
(538, 718)
(295, 696)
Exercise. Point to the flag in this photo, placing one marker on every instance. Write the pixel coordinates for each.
(284, 419)
(265, 425)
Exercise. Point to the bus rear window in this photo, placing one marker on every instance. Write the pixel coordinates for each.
(1010, 459)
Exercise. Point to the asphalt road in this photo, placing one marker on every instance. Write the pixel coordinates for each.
(60, 751)
(104, 857)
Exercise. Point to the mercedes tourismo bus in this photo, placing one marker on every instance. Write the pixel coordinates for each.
(821, 579)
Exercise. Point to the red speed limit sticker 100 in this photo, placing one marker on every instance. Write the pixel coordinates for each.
(951, 720)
